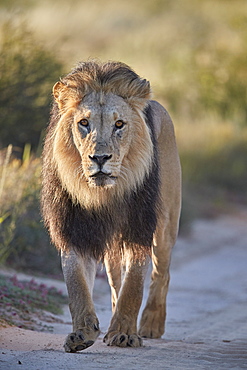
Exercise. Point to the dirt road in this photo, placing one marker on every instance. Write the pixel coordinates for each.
(206, 322)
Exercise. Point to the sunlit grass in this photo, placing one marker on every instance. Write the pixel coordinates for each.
(19, 184)
(19, 177)
(24, 243)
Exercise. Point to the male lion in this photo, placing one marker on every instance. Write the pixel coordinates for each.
(111, 191)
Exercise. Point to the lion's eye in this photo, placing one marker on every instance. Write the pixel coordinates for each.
(119, 124)
(83, 122)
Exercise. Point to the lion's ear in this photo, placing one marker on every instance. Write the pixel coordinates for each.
(58, 93)
(66, 95)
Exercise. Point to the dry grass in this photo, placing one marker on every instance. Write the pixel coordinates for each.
(19, 177)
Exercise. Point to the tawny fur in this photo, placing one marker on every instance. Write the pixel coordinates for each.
(111, 190)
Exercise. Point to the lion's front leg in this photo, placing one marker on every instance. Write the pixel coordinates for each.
(79, 274)
(122, 331)
(113, 265)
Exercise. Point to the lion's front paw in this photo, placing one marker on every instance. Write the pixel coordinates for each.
(78, 341)
(122, 340)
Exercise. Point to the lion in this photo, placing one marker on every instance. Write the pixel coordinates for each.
(111, 192)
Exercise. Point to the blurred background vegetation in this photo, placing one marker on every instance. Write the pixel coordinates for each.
(194, 54)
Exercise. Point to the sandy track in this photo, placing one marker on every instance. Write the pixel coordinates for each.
(206, 322)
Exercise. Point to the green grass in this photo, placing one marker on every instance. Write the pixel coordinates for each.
(22, 302)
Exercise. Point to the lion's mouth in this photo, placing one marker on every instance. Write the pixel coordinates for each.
(102, 179)
(101, 174)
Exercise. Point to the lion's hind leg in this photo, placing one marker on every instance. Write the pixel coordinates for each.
(152, 324)
(79, 274)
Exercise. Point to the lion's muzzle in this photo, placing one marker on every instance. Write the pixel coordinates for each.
(101, 176)
(100, 159)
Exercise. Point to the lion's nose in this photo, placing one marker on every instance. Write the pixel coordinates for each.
(100, 159)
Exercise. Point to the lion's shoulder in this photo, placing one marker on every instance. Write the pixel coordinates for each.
(162, 121)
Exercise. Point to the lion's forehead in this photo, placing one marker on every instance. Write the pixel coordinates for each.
(97, 106)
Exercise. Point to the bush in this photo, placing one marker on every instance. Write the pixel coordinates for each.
(27, 73)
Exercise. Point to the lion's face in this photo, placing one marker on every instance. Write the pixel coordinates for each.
(102, 130)
(102, 146)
